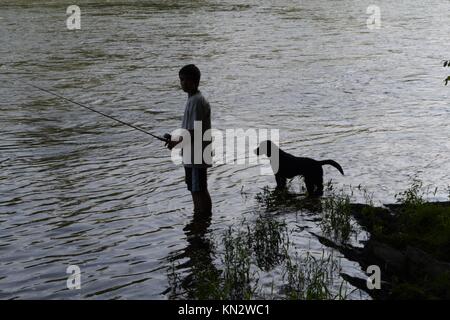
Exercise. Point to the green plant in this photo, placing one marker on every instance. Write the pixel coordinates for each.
(428, 227)
(268, 238)
(237, 277)
(274, 200)
(311, 278)
(329, 185)
(336, 217)
(368, 197)
(412, 196)
(262, 246)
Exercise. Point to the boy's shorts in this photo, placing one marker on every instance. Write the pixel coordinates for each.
(196, 179)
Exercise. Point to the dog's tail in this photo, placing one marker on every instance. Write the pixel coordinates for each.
(334, 164)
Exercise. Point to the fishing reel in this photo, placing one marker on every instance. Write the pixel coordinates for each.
(167, 136)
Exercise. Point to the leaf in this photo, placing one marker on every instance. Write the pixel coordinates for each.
(447, 80)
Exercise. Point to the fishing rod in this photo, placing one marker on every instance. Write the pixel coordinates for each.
(165, 139)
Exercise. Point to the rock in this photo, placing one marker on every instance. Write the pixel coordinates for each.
(393, 260)
(421, 263)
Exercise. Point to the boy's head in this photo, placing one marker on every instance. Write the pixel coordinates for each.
(189, 78)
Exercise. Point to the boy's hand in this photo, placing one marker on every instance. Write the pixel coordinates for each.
(170, 144)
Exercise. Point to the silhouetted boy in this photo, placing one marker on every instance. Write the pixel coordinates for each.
(197, 109)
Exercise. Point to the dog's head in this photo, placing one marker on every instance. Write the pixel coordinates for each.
(265, 147)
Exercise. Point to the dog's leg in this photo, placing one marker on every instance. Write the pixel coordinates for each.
(281, 181)
(319, 190)
(310, 187)
(319, 184)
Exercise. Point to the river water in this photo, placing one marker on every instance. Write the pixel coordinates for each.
(78, 189)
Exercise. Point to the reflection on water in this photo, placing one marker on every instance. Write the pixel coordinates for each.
(258, 261)
(199, 254)
(78, 189)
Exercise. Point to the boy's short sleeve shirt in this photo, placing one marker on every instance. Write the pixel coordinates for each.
(197, 109)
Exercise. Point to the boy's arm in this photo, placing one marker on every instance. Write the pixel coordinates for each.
(200, 113)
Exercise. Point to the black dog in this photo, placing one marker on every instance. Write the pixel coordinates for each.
(290, 166)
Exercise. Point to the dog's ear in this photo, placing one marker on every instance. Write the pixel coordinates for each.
(268, 148)
(265, 147)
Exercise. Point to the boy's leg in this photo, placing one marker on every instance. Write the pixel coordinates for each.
(195, 201)
(204, 201)
(196, 180)
(200, 194)
(189, 184)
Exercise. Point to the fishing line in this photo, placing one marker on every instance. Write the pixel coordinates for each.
(93, 110)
